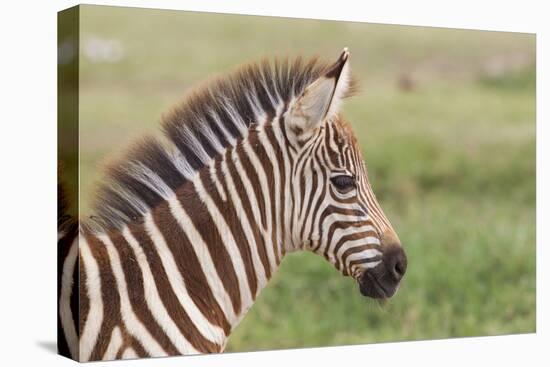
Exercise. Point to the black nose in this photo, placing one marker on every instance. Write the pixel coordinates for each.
(395, 261)
(383, 280)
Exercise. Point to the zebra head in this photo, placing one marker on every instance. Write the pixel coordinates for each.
(336, 213)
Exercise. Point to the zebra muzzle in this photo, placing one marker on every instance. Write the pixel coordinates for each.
(383, 280)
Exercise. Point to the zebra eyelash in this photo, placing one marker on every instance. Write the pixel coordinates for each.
(344, 183)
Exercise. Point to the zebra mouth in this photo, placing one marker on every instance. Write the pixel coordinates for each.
(370, 286)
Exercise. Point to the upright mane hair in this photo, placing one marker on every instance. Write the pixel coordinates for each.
(210, 119)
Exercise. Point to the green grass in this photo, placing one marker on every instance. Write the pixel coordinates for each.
(452, 162)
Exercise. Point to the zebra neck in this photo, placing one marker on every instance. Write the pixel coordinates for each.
(231, 215)
(188, 271)
(225, 227)
(201, 257)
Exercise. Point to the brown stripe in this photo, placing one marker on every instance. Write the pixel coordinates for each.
(138, 348)
(109, 294)
(282, 178)
(269, 172)
(287, 146)
(334, 226)
(136, 293)
(312, 193)
(84, 304)
(128, 341)
(343, 225)
(75, 296)
(330, 134)
(272, 194)
(283, 155)
(247, 206)
(63, 248)
(301, 164)
(190, 268)
(252, 175)
(356, 249)
(351, 237)
(317, 208)
(195, 283)
(232, 218)
(262, 156)
(362, 261)
(305, 154)
(190, 201)
(121, 350)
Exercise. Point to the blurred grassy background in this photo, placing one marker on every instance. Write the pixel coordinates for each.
(446, 119)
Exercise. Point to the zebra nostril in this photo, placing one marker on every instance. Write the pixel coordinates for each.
(399, 269)
(396, 261)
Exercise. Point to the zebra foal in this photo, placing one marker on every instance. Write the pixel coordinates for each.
(187, 231)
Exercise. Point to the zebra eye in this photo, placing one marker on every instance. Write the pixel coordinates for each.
(343, 183)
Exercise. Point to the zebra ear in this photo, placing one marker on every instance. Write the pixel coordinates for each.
(321, 99)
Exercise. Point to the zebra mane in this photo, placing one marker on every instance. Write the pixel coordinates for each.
(210, 119)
